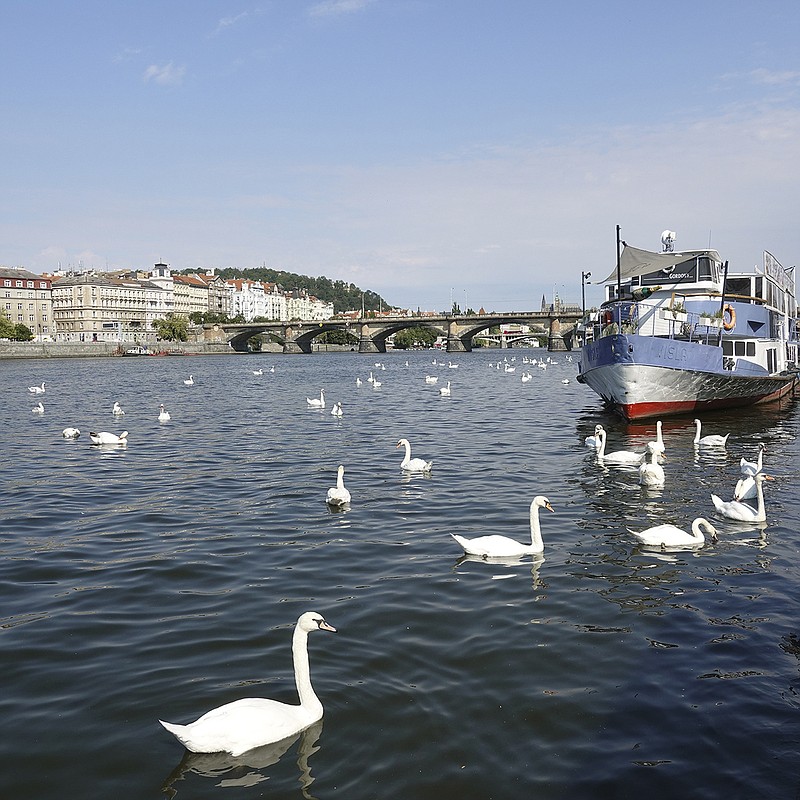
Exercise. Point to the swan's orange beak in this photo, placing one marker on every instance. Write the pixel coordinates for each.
(549, 507)
(323, 626)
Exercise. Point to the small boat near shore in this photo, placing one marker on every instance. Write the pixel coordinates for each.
(678, 333)
(139, 350)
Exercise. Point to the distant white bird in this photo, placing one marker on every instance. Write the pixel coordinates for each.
(36, 389)
(338, 495)
(70, 433)
(713, 440)
(451, 365)
(409, 464)
(314, 402)
(38, 409)
(444, 391)
(526, 376)
(370, 379)
(594, 441)
(509, 368)
(619, 456)
(376, 384)
(336, 411)
(494, 546)
(431, 379)
(358, 381)
(163, 415)
(272, 368)
(104, 437)
(258, 372)
(669, 537)
(189, 381)
(565, 380)
(117, 410)
(651, 473)
(743, 512)
(252, 722)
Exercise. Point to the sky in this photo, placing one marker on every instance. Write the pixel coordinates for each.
(433, 151)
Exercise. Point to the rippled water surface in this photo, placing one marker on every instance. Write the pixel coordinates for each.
(164, 578)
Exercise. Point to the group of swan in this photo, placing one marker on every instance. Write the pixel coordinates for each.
(496, 546)
(742, 512)
(409, 464)
(253, 722)
(338, 495)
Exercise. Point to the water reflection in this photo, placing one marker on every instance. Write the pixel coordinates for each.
(510, 562)
(247, 769)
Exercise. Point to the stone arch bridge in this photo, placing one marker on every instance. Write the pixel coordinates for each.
(297, 336)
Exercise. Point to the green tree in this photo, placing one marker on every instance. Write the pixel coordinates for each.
(172, 328)
(414, 337)
(22, 333)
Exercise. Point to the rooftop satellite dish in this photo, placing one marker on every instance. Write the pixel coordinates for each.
(667, 241)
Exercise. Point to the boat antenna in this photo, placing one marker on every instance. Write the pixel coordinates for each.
(722, 299)
(619, 272)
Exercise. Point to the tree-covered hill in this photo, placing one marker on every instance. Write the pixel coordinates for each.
(344, 296)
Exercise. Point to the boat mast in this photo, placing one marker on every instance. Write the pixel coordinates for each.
(619, 274)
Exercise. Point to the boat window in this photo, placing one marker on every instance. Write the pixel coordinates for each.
(704, 268)
(751, 348)
(738, 287)
(759, 287)
(727, 347)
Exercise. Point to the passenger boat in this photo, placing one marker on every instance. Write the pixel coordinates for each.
(680, 333)
(139, 350)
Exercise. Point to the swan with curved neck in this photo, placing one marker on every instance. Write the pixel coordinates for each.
(712, 440)
(619, 456)
(409, 464)
(670, 536)
(338, 495)
(163, 414)
(594, 440)
(659, 440)
(752, 467)
(313, 402)
(189, 381)
(495, 546)
(117, 410)
(736, 509)
(253, 722)
(651, 473)
(36, 389)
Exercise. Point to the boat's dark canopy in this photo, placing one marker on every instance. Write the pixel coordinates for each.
(634, 262)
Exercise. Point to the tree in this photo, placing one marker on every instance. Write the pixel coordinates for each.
(22, 333)
(172, 328)
(18, 332)
(414, 337)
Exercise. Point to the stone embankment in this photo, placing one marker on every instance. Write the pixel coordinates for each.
(100, 349)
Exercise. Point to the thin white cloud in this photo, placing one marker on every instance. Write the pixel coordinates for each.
(227, 22)
(332, 8)
(127, 54)
(167, 75)
(771, 78)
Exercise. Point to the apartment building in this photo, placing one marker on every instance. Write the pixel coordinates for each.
(27, 299)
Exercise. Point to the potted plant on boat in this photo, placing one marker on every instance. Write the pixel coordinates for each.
(675, 312)
(711, 320)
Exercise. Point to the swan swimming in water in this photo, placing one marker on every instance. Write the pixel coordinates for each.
(314, 402)
(253, 722)
(752, 467)
(669, 536)
(336, 411)
(651, 473)
(431, 379)
(70, 433)
(495, 546)
(38, 409)
(338, 495)
(712, 440)
(36, 389)
(409, 464)
(594, 440)
(444, 391)
(189, 381)
(659, 441)
(619, 456)
(258, 372)
(743, 512)
(117, 410)
(104, 437)
(163, 415)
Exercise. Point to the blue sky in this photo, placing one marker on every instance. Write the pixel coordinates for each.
(424, 149)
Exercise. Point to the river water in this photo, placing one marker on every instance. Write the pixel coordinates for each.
(162, 579)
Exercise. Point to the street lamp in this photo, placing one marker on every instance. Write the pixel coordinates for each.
(584, 280)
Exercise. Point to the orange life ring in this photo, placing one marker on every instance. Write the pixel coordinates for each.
(729, 324)
(607, 317)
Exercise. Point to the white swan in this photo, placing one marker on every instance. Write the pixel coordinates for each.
(336, 411)
(526, 376)
(338, 495)
(651, 473)
(70, 433)
(117, 410)
(104, 437)
(413, 464)
(659, 441)
(594, 440)
(189, 381)
(370, 379)
(667, 536)
(745, 488)
(258, 372)
(743, 512)
(38, 409)
(163, 415)
(713, 440)
(36, 389)
(376, 384)
(444, 391)
(252, 722)
(314, 402)
(619, 456)
(752, 467)
(451, 365)
(431, 379)
(495, 546)
(358, 381)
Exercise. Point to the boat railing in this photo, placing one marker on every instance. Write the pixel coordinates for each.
(632, 317)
